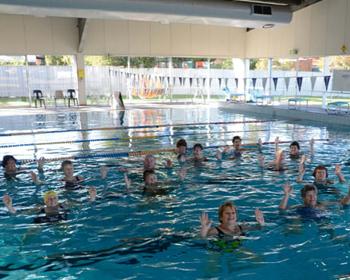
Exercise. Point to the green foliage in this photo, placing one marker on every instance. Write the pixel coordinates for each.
(12, 61)
(106, 61)
(58, 60)
(340, 62)
(283, 64)
(143, 62)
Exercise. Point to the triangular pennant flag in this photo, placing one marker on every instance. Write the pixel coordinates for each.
(313, 82)
(180, 79)
(275, 81)
(254, 82)
(264, 82)
(191, 80)
(183, 81)
(174, 80)
(220, 81)
(299, 82)
(210, 80)
(168, 80)
(204, 80)
(226, 82)
(287, 81)
(326, 81)
(236, 82)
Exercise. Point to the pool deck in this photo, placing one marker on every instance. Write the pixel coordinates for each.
(309, 113)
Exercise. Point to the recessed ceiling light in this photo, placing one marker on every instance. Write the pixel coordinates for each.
(268, 25)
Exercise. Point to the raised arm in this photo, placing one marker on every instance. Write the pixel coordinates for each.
(287, 189)
(277, 141)
(41, 163)
(346, 199)
(339, 174)
(260, 145)
(8, 203)
(301, 174)
(312, 142)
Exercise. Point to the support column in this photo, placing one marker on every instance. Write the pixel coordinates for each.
(79, 67)
(240, 72)
(171, 75)
(208, 78)
(269, 70)
(326, 72)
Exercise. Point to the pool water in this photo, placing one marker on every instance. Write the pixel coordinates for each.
(130, 235)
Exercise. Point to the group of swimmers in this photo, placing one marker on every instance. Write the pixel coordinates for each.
(54, 211)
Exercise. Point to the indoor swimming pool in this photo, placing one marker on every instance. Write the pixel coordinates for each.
(127, 234)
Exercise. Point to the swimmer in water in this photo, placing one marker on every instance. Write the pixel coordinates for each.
(320, 174)
(53, 211)
(228, 222)
(9, 164)
(236, 149)
(309, 196)
(71, 182)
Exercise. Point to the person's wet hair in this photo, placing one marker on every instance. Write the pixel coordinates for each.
(295, 143)
(236, 138)
(6, 159)
(307, 188)
(181, 142)
(65, 163)
(320, 167)
(197, 145)
(222, 208)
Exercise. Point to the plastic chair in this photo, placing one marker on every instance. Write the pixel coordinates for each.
(60, 95)
(71, 96)
(38, 96)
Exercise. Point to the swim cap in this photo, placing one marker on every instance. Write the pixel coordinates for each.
(49, 194)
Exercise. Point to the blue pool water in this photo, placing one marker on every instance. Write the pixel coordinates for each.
(129, 235)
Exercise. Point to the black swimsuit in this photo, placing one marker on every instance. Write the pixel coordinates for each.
(51, 218)
(73, 185)
(221, 234)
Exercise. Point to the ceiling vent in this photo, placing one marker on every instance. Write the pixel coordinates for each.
(262, 10)
(211, 12)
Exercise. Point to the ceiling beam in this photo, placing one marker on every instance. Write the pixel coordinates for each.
(82, 26)
(277, 2)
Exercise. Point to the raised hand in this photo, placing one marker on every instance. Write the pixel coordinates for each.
(8, 203)
(226, 148)
(103, 171)
(205, 224)
(287, 189)
(41, 162)
(127, 180)
(259, 216)
(337, 169)
(35, 178)
(92, 193)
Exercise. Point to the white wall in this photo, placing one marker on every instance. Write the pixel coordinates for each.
(136, 38)
(34, 35)
(318, 30)
(49, 35)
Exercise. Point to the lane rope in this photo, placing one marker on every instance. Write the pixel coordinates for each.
(130, 127)
(145, 152)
